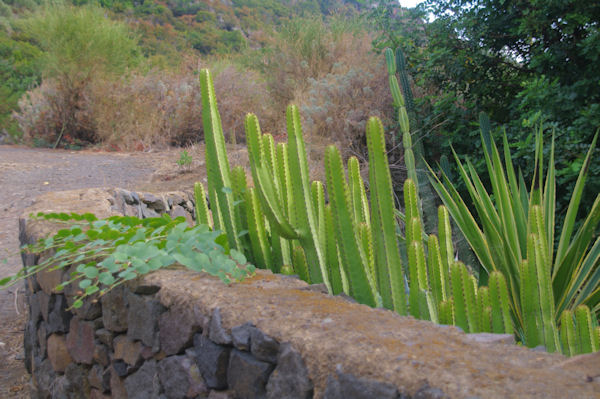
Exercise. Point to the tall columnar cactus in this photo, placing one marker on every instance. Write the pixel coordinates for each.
(388, 265)
(217, 164)
(414, 154)
(353, 257)
(201, 207)
(301, 223)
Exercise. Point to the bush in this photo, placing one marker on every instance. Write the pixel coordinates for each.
(81, 47)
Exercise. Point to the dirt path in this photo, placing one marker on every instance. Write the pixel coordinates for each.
(26, 173)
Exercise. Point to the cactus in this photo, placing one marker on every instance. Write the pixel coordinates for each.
(499, 301)
(388, 265)
(200, 206)
(217, 164)
(353, 258)
(256, 230)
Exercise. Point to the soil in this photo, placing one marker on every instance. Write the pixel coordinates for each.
(26, 173)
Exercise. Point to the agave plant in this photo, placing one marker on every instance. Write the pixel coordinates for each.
(513, 231)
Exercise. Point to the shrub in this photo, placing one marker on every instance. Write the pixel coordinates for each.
(81, 46)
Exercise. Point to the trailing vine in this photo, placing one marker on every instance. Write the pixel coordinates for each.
(108, 252)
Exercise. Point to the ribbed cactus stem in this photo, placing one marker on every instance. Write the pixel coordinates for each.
(218, 169)
(353, 258)
(357, 190)
(261, 250)
(300, 265)
(437, 272)
(332, 256)
(568, 335)
(499, 302)
(388, 265)
(484, 310)
(585, 330)
(200, 206)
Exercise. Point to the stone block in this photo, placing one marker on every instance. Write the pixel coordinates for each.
(101, 354)
(347, 386)
(127, 350)
(90, 310)
(180, 378)
(179, 211)
(142, 319)
(262, 346)
(58, 353)
(99, 378)
(212, 361)
(30, 346)
(176, 331)
(117, 386)
(290, 379)
(77, 386)
(42, 338)
(105, 336)
(247, 376)
(216, 332)
(45, 303)
(43, 380)
(114, 309)
(144, 383)
(49, 279)
(220, 395)
(153, 202)
(35, 311)
(241, 336)
(428, 392)
(96, 394)
(58, 318)
(80, 341)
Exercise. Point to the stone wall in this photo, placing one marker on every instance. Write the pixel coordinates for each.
(180, 334)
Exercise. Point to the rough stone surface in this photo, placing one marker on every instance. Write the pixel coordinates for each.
(262, 346)
(121, 368)
(43, 380)
(247, 376)
(77, 383)
(35, 311)
(489, 338)
(30, 347)
(96, 394)
(241, 336)
(58, 353)
(347, 386)
(99, 378)
(101, 354)
(42, 335)
(220, 395)
(144, 383)
(217, 333)
(114, 309)
(142, 319)
(46, 302)
(180, 378)
(176, 331)
(90, 310)
(212, 360)
(117, 386)
(153, 202)
(80, 341)
(105, 336)
(127, 350)
(58, 318)
(178, 211)
(427, 392)
(290, 379)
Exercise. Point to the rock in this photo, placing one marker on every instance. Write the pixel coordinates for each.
(247, 376)
(220, 395)
(489, 338)
(101, 355)
(176, 331)
(290, 378)
(46, 302)
(30, 344)
(142, 319)
(127, 350)
(179, 211)
(105, 336)
(241, 336)
(77, 386)
(144, 383)
(147, 212)
(44, 378)
(120, 367)
(180, 378)
(117, 386)
(262, 346)
(212, 360)
(58, 318)
(153, 202)
(99, 378)
(347, 386)
(58, 353)
(96, 394)
(42, 338)
(428, 392)
(80, 341)
(35, 310)
(114, 309)
(90, 310)
(49, 279)
(217, 333)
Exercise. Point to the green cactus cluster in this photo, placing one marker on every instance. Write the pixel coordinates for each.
(350, 243)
